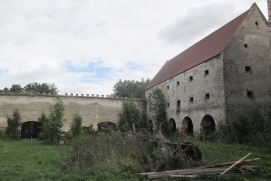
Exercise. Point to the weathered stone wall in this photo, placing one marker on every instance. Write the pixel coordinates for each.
(248, 66)
(207, 79)
(92, 109)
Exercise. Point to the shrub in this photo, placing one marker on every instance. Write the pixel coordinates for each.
(12, 130)
(51, 129)
(157, 104)
(128, 115)
(76, 125)
(253, 128)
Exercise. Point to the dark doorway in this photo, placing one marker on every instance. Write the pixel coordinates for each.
(187, 126)
(30, 130)
(172, 125)
(207, 125)
(106, 126)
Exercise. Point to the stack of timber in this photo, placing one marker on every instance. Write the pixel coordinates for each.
(221, 169)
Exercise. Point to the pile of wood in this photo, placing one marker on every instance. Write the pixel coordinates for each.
(239, 166)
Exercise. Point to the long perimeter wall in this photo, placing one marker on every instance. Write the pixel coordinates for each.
(93, 110)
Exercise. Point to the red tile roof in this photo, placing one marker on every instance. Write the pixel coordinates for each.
(204, 50)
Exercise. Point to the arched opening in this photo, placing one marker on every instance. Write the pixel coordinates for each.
(187, 126)
(150, 126)
(207, 125)
(172, 125)
(106, 126)
(30, 130)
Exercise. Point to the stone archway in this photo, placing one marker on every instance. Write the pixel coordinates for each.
(150, 126)
(106, 126)
(207, 125)
(30, 130)
(187, 126)
(172, 125)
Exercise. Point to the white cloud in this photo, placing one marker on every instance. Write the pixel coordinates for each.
(37, 38)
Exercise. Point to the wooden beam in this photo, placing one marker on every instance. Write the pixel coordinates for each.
(239, 161)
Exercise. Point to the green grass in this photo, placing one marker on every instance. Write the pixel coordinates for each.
(25, 160)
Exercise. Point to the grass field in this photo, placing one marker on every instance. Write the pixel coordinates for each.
(32, 160)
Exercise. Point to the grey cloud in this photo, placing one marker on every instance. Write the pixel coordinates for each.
(198, 21)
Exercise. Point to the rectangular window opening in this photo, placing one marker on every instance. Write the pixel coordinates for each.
(178, 83)
(247, 68)
(190, 78)
(167, 104)
(178, 106)
(206, 72)
(250, 94)
(191, 99)
(207, 96)
(167, 87)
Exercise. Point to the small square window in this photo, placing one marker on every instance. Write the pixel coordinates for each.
(250, 94)
(167, 87)
(190, 78)
(207, 96)
(245, 45)
(247, 68)
(191, 99)
(178, 83)
(206, 72)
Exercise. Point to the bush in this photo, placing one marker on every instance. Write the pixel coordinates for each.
(12, 130)
(51, 129)
(253, 128)
(76, 125)
(157, 103)
(128, 115)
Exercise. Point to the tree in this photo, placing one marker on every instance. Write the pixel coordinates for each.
(130, 88)
(128, 115)
(12, 130)
(51, 132)
(157, 103)
(41, 88)
(16, 88)
(76, 125)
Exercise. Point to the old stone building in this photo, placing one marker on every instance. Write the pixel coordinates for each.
(225, 73)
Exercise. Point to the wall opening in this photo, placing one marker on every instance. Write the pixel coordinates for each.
(178, 106)
(245, 45)
(257, 24)
(207, 125)
(187, 126)
(207, 96)
(206, 72)
(30, 130)
(191, 99)
(247, 68)
(106, 126)
(167, 87)
(178, 83)
(172, 125)
(167, 104)
(190, 78)
(250, 94)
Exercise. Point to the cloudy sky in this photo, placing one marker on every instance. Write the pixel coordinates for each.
(86, 46)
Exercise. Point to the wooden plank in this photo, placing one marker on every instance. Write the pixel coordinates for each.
(228, 163)
(239, 161)
(183, 176)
